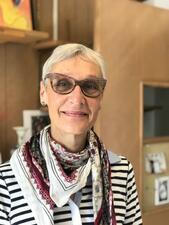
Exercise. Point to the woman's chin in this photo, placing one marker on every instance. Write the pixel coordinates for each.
(76, 131)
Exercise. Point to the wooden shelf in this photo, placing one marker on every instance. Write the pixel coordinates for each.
(8, 35)
(149, 140)
(157, 209)
(48, 44)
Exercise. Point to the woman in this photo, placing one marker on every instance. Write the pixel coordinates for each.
(64, 175)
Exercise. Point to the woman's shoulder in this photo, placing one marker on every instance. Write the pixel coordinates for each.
(121, 169)
(119, 161)
(5, 168)
(116, 159)
(7, 178)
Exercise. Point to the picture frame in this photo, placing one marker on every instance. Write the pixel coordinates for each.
(156, 158)
(34, 121)
(16, 14)
(162, 190)
(155, 162)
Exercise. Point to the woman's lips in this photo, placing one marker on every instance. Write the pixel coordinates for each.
(75, 113)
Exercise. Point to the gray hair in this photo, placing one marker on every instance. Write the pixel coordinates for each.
(67, 51)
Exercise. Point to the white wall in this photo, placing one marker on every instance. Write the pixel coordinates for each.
(158, 3)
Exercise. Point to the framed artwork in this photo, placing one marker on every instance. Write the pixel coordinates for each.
(162, 190)
(34, 121)
(16, 14)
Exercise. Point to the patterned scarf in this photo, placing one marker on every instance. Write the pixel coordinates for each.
(44, 168)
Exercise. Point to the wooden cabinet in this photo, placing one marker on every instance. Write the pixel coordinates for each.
(22, 54)
(19, 80)
(133, 38)
(19, 77)
(76, 21)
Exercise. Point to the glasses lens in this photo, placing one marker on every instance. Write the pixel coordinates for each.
(92, 88)
(62, 85)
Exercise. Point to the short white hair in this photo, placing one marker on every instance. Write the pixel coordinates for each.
(67, 51)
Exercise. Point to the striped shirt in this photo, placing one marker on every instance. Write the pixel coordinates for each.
(14, 209)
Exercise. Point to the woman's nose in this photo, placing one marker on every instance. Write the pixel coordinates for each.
(77, 96)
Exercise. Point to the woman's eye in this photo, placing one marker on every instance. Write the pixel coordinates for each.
(62, 84)
(92, 85)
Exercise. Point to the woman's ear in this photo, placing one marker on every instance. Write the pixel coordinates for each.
(43, 95)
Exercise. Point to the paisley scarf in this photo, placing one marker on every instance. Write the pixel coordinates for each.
(44, 168)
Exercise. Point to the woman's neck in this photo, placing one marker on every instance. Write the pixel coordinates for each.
(73, 143)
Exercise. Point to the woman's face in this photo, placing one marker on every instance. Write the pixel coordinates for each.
(72, 113)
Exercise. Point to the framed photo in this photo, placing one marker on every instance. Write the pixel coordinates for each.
(155, 162)
(161, 190)
(34, 121)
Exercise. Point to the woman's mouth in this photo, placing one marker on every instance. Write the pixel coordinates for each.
(74, 113)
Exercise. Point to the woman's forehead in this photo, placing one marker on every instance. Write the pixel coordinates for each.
(77, 66)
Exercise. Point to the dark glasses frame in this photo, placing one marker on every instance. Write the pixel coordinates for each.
(101, 83)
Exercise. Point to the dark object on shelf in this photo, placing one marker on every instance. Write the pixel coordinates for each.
(148, 108)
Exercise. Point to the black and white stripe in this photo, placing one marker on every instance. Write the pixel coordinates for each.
(14, 210)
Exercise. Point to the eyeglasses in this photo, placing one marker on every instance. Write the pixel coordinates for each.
(63, 84)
